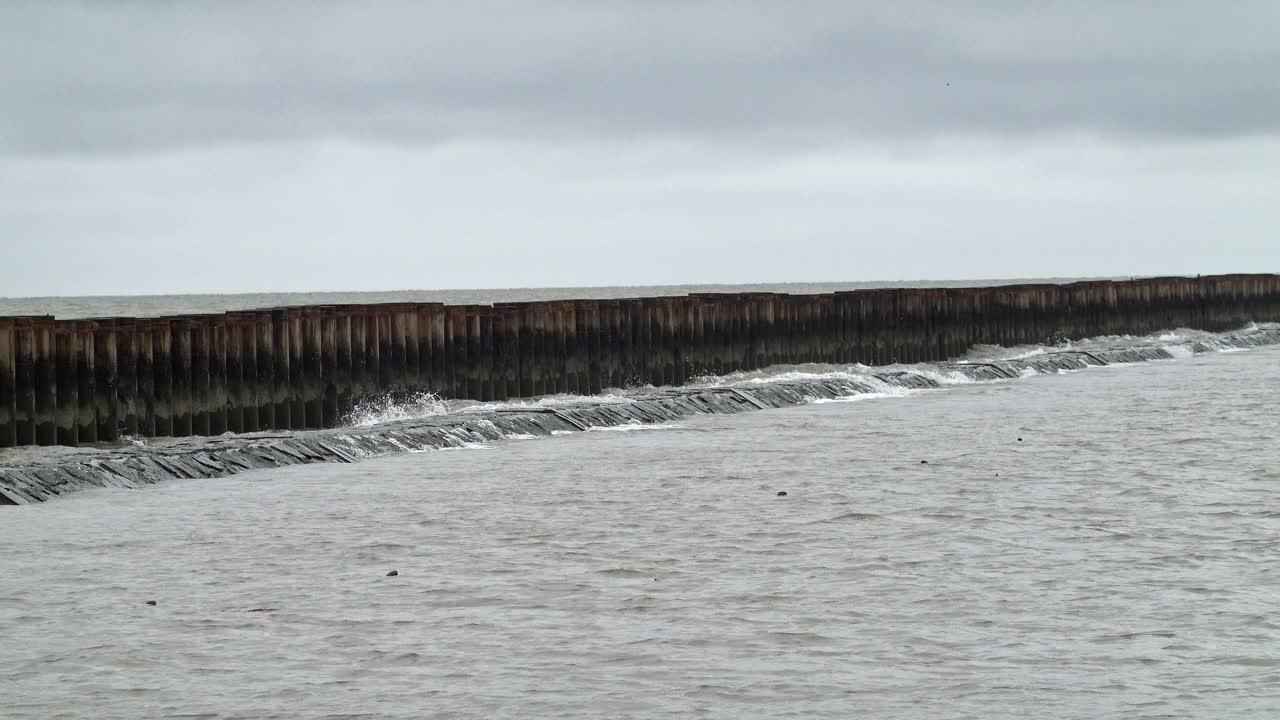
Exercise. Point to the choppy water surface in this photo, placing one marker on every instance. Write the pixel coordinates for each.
(1121, 560)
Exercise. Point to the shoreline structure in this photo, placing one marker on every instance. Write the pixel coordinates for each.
(51, 473)
(87, 382)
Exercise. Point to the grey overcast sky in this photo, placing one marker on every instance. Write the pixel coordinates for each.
(281, 146)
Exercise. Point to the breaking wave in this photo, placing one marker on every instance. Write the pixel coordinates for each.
(393, 407)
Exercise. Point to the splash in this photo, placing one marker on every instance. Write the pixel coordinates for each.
(392, 407)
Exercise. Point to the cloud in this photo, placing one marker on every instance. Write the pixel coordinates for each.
(270, 146)
(138, 76)
(344, 215)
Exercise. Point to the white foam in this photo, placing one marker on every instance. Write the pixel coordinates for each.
(385, 408)
(944, 376)
(786, 373)
(803, 376)
(885, 389)
(635, 425)
(1033, 352)
(865, 396)
(552, 401)
(466, 446)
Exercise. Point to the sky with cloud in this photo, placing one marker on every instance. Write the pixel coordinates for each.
(284, 146)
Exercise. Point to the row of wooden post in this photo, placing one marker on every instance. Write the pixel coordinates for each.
(75, 382)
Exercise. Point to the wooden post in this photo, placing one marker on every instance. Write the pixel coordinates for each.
(423, 317)
(455, 341)
(709, 334)
(265, 365)
(297, 370)
(398, 369)
(412, 347)
(387, 361)
(441, 366)
(506, 365)
(86, 381)
(180, 354)
(475, 354)
(218, 396)
(200, 411)
(45, 369)
(66, 389)
(249, 389)
(144, 360)
(326, 392)
(574, 373)
(648, 335)
(374, 344)
(24, 410)
(359, 348)
(486, 348)
(313, 363)
(547, 344)
(337, 322)
(527, 361)
(586, 313)
(111, 382)
(281, 354)
(8, 383)
(677, 317)
(622, 339)
(234, 368)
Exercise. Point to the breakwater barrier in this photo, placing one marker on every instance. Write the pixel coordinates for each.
(85, 382)
(43, 475)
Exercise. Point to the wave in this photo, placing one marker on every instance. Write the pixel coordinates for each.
(393, 407)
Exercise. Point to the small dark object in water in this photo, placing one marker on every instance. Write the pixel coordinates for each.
(781, 493)
(997, 474)
(1019, 439)
(261, 610)
(924, 462)
(393, 573)
(151, 602)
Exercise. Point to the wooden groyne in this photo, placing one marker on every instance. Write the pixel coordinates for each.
(35, 477)
(78, 382)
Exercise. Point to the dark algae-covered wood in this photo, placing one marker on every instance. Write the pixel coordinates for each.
(81, 382)
(34, 477)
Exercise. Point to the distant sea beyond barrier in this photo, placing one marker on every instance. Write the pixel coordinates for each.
(90, 380)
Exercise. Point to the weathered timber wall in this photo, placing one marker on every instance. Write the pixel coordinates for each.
(85, 381)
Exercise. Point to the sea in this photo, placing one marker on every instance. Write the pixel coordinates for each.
(1094, 544)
